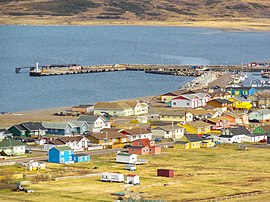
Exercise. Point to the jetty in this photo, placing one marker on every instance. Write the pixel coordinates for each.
(178, 70)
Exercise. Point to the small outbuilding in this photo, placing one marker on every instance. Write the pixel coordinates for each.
(133, 179)
(165, 172)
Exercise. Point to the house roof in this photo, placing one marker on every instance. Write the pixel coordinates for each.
(112, 105)
(239, 131)
(63, 148)
(109, 135)
(11, 142)
(55, 125)
(5, 131)
(266, 128)
(136, 131)
(32, 126)
(193, 138)
(221, 101)
(198, 124)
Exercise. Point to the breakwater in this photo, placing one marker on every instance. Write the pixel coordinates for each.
(180, 70)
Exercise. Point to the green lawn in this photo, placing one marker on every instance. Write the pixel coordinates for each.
(199, 173)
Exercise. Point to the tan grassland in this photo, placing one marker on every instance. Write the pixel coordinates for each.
(199, 174)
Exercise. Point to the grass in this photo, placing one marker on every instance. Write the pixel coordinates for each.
(199, 173)
(235, 14)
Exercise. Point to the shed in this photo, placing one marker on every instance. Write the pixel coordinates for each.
(133, 179)
(165, 172)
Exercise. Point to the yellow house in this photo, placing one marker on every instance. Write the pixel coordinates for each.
(188, 141)
(175, 115)
(198, 127)
(240, 103)
(207, 143)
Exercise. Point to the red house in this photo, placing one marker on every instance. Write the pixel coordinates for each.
(144, 146)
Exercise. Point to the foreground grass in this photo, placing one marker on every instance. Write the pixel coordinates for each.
(201, 173)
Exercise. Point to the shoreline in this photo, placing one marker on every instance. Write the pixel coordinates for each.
(226, 26)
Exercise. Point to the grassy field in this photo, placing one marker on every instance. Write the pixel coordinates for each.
(222, 14)
(199, 174)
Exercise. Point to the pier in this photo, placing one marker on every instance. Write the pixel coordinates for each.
(179, 70)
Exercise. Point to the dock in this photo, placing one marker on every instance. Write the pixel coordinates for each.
(178, 70)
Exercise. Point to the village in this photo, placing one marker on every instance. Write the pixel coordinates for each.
(143, 144)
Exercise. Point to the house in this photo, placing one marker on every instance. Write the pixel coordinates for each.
(261, 99)
(234, 135)
(83, 109)
(12, 147)
(63, 154)
(4, 134)
(133, 179)
(190, 100)
(240, 103)
(261, 115)
(96, 123)
(242, 91)
(197, 127)
(77, 143)
(165, 172)
(121, 108)
(167, 97)
(123, 157)
(199, 114)
(79, 158)
(221, 104)
(169, 131)
(144, 146)
(218, 123)
(28, 129)
(137, 133)
(108, 138)
(58, 128)
(262, 129)
(255, 137)
(175, 115)
(189, 141)
(79, 127)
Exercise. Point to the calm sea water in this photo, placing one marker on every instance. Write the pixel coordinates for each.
(25, 45)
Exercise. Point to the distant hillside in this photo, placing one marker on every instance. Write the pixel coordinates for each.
(21, 11)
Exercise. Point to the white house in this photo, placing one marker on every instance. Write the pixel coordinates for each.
(261, 115)
(133, 179)
(137, 133)
(168, 131)
(255, 137)
(191, 100)
(121, 108)
(96, 123)
(122, 157)
(233, 135)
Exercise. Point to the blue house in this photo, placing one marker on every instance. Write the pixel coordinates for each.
(78, 158)
(243, 91)
(62, 154)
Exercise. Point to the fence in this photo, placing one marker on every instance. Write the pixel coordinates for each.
(7, 163)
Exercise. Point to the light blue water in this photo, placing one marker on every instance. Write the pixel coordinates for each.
(25, 45)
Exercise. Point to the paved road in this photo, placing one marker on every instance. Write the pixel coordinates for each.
(95, 152)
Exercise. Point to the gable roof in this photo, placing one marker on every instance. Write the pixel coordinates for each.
(198, 124)
(11, 143)
(32, 126)
(239, 131)
(112, 105)
(62, 148)
(193, 138)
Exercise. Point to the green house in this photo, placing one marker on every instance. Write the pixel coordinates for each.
(18, 131)
(262, 129)
(12, 147)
